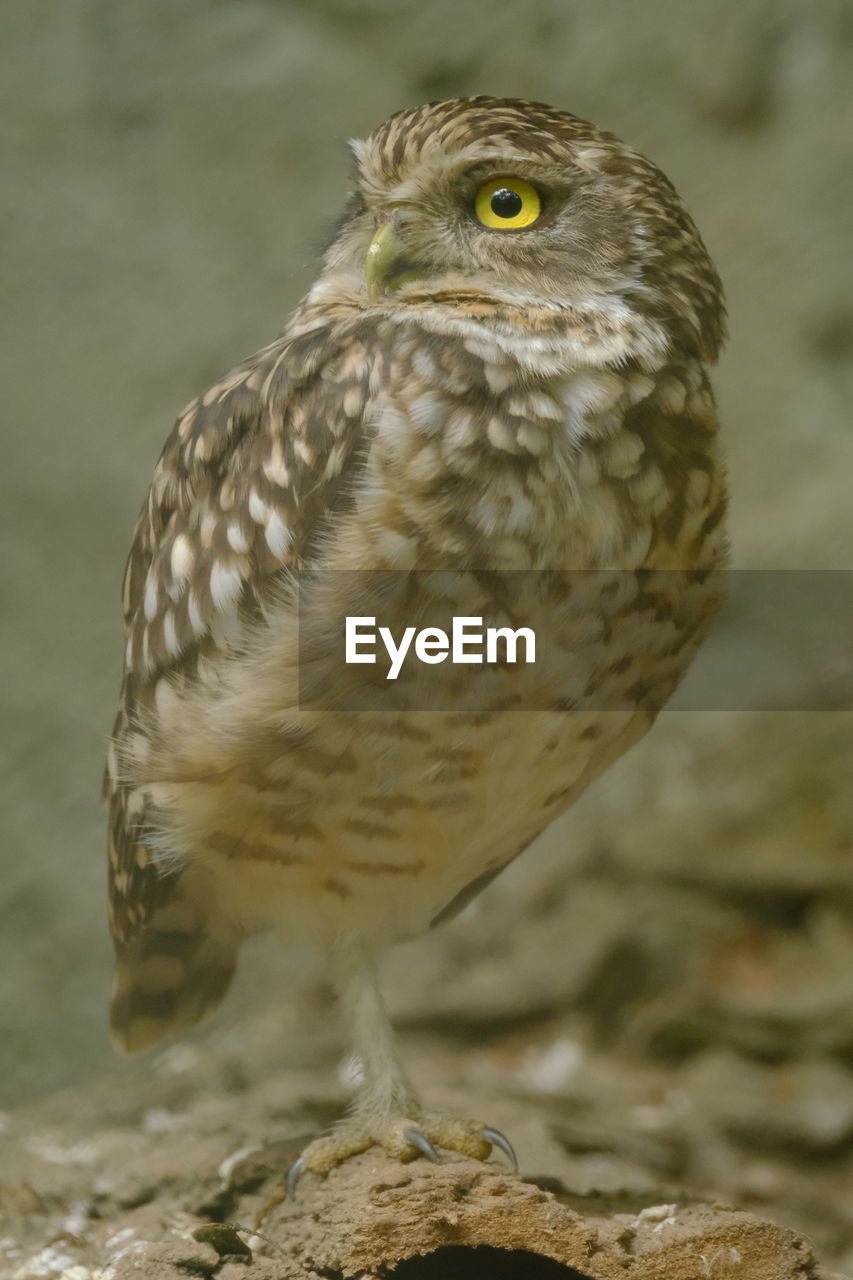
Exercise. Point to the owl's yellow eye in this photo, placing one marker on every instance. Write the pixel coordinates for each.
(507, 203)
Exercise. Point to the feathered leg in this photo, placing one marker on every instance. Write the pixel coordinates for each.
(387, 1110)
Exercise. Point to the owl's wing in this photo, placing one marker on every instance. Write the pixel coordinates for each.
(244, 483)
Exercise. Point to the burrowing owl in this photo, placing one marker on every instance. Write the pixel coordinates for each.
(501, 367)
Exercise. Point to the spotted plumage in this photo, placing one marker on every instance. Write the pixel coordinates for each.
(451, 395)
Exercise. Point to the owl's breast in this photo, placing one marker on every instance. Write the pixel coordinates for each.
(371, 806)
(482, 459)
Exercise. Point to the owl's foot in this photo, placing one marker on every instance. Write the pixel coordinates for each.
(403, 1138)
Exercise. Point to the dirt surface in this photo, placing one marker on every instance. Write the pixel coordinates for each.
(96, 1191)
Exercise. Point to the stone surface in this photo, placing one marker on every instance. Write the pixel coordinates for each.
(77, 1220)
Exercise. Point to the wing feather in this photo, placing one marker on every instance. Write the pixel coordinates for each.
(251, 472)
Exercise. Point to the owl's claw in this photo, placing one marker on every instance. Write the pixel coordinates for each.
(402, 1137)
(423, 1144)
(502, 1142)
(294, 1174)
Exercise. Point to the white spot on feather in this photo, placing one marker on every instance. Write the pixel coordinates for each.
(532, 438)
(623, 455)
(498, 377)
(196, 621)
(487, 351)
(182, 558)
(170, 635)
(303, 450)
(544, 406)
(151, 597)
(462, 429)
(423, 365)
(501, 436)
(237, 539)
(598, 391)
(278, 536)
(671, 395)
(258, 509)
(335, 461)
(646, 486)
(135, 803)
(428, 412)
(589, 394)
(638, 386)
(226, 585)
(353, 402)
(275, 470)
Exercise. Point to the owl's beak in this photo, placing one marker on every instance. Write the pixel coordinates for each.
(387, 266)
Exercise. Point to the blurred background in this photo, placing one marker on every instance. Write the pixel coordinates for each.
(169, 171)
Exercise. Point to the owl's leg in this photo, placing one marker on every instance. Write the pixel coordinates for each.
(387, 1110)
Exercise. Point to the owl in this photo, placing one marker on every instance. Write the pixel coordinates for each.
(500, 371)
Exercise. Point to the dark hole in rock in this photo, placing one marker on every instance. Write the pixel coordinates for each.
(460, 1262)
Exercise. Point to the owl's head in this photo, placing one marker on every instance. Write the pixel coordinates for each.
(502, 201)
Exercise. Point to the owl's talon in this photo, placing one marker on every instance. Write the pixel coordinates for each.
(294, 1174)
(423, 1144)
(502, 1142)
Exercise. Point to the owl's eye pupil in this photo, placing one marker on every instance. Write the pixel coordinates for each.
(505, 203)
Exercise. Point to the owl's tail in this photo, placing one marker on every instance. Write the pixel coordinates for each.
(170, 977)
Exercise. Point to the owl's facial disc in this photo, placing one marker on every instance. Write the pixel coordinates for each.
(398, 254)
